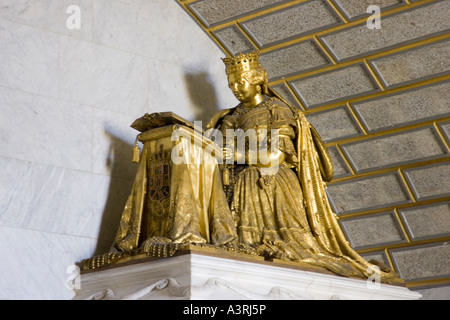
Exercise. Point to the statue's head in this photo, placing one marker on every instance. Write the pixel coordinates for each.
(246, 76)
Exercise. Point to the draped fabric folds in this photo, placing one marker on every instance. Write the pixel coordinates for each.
(175, 203)
(282, 215)
(287, 215)
(323, 221)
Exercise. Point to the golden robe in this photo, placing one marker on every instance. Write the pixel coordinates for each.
(174, 203)
(287, 215)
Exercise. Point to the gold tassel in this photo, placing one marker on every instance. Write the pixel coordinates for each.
(226, 176)
(136, 152)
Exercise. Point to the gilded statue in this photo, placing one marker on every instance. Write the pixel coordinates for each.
(282, 213)
(266, 198)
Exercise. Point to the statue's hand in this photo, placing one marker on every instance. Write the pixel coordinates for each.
(228, 155)
(231, 155)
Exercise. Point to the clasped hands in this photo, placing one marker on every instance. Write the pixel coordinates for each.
(262, 158)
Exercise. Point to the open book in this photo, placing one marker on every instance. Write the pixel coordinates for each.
(159, 119)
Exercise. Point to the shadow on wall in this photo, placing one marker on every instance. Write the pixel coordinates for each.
(122, 172)
(202, 95)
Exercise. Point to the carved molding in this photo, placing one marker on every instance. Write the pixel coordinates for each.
(211, 285)
(195, 276)
(276, 293)
(172, 286)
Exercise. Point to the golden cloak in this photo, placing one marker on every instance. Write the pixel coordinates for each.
(313, 168)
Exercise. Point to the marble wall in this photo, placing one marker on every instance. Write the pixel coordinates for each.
(67, 99)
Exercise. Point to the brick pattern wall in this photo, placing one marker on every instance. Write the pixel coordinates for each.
(380, 100)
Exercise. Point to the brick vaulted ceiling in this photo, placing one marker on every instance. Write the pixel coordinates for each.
(380, 100)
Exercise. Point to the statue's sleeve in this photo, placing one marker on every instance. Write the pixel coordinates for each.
(325, 162)
(216, 119)
(284, 122)
(286, 136)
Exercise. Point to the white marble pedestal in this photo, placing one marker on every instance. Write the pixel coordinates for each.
(200, 275)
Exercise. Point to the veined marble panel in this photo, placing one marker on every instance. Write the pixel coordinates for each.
(51, 15)
(195, 51)
(103, 77)
(192, 94)
(138, 26)
(58, 200)
(113, 141)
(45, 130)
(34, 264)
(29, 59)
(168, 87)
(157, 29)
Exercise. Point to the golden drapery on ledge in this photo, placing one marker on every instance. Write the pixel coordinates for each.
(182, 196)
(175, 202)
(172, 203)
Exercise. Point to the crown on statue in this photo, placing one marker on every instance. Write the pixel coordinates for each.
(242, 62)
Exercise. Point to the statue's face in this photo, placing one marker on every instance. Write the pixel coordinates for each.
(243, 90)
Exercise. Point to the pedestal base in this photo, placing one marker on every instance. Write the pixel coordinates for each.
(205, 276)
